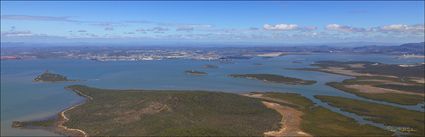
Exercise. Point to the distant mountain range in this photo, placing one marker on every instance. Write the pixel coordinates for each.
(408, 48)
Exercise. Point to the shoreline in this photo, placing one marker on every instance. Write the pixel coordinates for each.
(63, 118)
(58, 120)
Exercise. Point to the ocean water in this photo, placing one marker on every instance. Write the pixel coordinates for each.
(22, 99)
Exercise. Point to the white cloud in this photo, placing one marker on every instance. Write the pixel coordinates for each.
(344, 28)
(395, 27)
(16, 33)
(418, 28)
(280, 27)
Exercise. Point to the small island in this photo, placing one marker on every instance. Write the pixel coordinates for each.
(194, 72)
(274, 79)
(51, 77)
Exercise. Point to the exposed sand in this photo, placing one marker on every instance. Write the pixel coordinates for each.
(291, 121)
(418, 80)
(378, 90)
(386, 81)
(271, 54)
(291, 118)
(356, 65)
(343, 71)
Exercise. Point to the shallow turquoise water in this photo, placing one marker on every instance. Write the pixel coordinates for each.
(22, 99)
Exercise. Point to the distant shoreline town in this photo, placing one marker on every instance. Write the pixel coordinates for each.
(116, 53)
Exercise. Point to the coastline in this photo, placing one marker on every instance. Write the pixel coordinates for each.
(56, 123)
(63, 118)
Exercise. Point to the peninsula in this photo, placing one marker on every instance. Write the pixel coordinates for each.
(164, 113)
(108, 112)
(400, 84)
(274, 79)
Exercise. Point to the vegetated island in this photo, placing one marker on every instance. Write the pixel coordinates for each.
(194, 72)
(408, 121)
(197, 113)
(400, 84)
(274, 79)
(51, 77)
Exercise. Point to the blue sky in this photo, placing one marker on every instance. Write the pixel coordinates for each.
(271, 22)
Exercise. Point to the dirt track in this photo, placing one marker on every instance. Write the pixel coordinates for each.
(63, 119)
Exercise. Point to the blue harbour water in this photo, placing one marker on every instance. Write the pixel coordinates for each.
(22, 99)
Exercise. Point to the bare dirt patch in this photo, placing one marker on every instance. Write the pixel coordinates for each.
(386, 81)
(291, 118)
(69, 131)
(418, 80)
(343, 71)
(356, 65)
(291, 121)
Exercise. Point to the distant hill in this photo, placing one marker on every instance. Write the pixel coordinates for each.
(408, 48)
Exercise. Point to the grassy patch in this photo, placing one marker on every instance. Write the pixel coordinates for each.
(166, 113)
(319, 121)
(388, 115)
(403, 99)
(291, 97)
